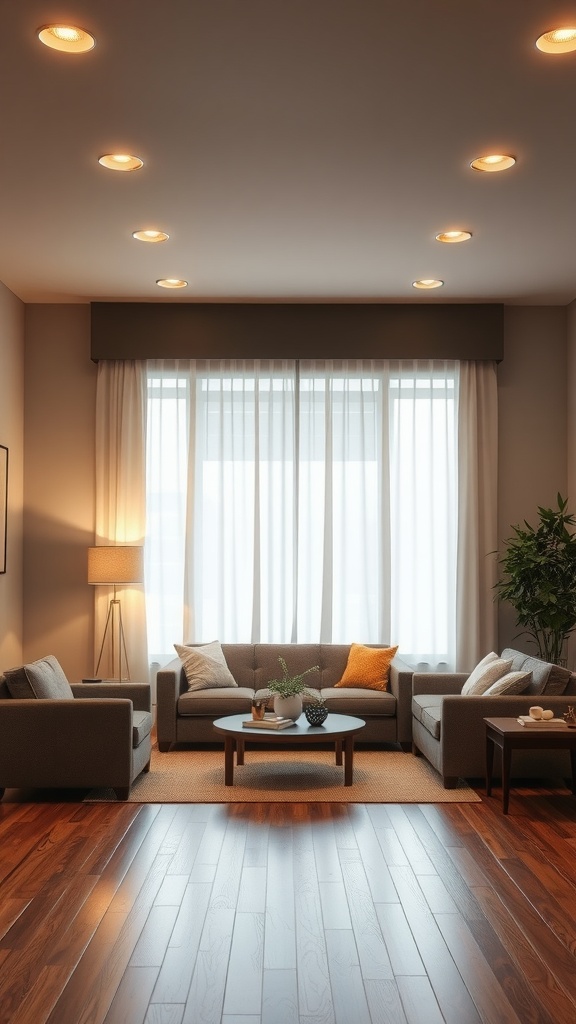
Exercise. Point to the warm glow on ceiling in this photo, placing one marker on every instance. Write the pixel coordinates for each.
(494, 162)
(150, 235)
(427, 283)
(558, 40)
(120, 162)
(453, 236)
(67, 38)
(172, 282)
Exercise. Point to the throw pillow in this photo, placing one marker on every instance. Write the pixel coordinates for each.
(367, 667)
(205, 666)
(40, 680)
(487, 672)
(509, 684)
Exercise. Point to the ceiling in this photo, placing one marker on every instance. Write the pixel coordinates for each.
(294, 150)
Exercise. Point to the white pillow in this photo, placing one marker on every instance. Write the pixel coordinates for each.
(205, 667)
(487, 672)
(509, 684)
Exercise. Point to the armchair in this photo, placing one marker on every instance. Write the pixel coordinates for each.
(97, 735)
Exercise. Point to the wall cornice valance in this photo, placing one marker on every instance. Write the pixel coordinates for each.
(154, 330)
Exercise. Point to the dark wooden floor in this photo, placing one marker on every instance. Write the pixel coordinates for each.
(275, 913)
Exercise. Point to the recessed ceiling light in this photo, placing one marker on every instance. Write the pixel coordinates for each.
(172, 282)
(427, 283)
(120, 162)
(494, 162)
(150, 235)
(453, 236)
(558, 40)
(67, 38)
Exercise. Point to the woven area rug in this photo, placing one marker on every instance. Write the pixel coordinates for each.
(295, 776)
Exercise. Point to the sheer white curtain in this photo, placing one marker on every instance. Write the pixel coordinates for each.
(121, 401)
(319, 501)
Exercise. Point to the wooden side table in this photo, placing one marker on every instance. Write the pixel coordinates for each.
(509, 735)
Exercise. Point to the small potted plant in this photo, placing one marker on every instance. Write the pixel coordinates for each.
(315, 708)
(289, 691)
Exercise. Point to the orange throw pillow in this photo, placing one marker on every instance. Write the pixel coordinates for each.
(368, 667)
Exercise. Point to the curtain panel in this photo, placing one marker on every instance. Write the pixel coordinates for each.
(323, 501)
(121, 404)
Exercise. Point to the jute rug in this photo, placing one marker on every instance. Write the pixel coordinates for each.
(295, 776)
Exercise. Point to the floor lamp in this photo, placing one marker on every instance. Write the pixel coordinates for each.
(115, 566)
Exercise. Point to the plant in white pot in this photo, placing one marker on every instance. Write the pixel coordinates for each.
(289, 691)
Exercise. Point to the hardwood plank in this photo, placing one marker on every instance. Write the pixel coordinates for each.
(348, 993)
(384, 1002)
(152, 944)
(400, 945)
(372, 953)
(280, 999)
(314, 1000)
(280, 927)
(206, 995)
(419, 1001)
(175, 977)
(243, 993)
(132, 996)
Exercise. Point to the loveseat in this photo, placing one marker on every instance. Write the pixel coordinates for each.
(80, 736)
(448, 726)
(187, 717)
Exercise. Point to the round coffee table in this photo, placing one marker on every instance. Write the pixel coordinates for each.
(337, 730)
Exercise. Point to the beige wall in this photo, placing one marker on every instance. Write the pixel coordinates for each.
(59, 486)
(12, 436)
(59, 442)
(532, 425)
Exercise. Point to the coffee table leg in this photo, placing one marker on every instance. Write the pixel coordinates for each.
(338, 749)
(229, 745)
(240, 750)
(348, 760)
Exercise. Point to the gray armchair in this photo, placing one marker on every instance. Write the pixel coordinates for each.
(98, 735)
(448, 728)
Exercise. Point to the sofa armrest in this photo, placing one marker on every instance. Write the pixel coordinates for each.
(401, 686)
(139, 693)
(170, 683)
(65, 743)
(438, 682)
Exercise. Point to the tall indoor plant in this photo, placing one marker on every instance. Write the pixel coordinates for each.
(538, 578)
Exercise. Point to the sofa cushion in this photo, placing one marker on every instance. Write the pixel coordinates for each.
(367, 667)
(486, 673)
(547, 678)
(141, 727)
(205, 666)
(509, 684)
(427, 709)
(40, 680)
(357, 701)
(216, 702)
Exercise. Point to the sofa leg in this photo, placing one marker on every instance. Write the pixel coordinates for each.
(164, 747)
(2, 791)
(406, 747)
(416, 751)
(450, 781)
(146, 767)
(122, 792)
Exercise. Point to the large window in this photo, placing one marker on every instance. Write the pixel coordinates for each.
(296, 502)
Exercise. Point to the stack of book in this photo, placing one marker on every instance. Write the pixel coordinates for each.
(542, 723)
(267, 723)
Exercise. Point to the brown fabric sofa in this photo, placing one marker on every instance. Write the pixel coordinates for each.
(184, 717)
(448, 728)
(100, 736)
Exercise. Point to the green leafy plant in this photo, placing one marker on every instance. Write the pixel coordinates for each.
(539, 579)
(289, 685)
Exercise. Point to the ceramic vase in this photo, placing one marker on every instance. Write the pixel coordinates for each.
(288, 707)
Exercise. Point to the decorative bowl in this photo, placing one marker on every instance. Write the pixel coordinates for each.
(316, 714)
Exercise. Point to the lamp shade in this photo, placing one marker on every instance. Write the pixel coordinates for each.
(115, 565)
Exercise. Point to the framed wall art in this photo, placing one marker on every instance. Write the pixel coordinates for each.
(3, 504)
